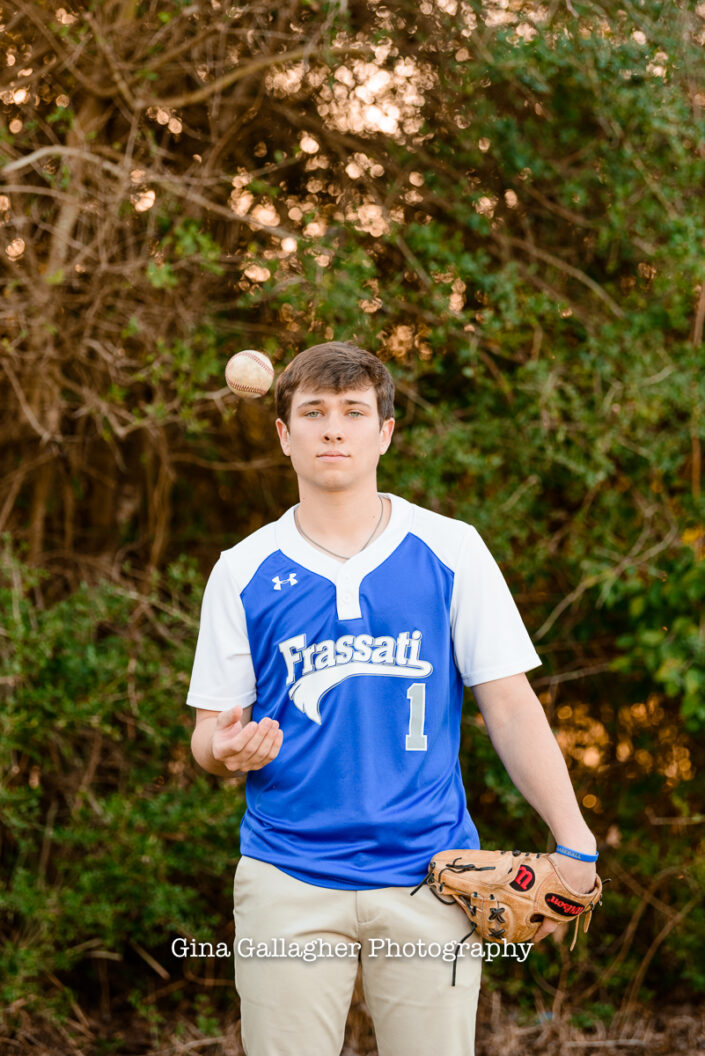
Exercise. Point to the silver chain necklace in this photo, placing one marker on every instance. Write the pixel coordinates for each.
(343, 557)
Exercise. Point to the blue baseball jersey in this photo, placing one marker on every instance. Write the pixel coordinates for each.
(363, 664)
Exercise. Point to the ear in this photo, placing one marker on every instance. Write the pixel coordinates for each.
(385, 435)
(283, 436)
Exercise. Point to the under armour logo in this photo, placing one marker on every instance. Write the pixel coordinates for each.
(291, 580)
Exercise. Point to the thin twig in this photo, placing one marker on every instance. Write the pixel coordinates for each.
(570, 676)
(609, 573)
(663, 934)
(609, 1043)
(46, 436)
(189, 1046)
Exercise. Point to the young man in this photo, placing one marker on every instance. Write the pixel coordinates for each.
(333, 649)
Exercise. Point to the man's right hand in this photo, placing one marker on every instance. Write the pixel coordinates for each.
(248, 746)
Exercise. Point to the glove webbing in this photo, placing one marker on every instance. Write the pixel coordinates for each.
(427, 880)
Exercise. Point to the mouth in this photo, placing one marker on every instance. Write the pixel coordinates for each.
(332, 456)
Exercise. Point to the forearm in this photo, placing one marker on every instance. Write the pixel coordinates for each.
(524, 741)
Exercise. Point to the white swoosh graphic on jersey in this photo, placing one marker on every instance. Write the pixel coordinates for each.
(307, 692)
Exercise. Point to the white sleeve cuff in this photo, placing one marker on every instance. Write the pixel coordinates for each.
(195, 700)
(489, 674)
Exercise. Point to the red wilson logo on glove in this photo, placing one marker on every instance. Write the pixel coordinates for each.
(565, 906)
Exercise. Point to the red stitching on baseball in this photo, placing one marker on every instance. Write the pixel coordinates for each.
(267, 366)
(247, 388)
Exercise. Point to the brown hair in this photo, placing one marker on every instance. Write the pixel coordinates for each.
(334, 367)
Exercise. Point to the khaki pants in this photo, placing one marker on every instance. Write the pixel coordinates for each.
(296, 955)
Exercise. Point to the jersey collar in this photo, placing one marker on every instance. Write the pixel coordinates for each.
(346, 575)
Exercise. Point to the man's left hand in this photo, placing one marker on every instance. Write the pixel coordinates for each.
(578, 875)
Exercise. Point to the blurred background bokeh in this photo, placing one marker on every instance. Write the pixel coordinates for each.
(506, 202)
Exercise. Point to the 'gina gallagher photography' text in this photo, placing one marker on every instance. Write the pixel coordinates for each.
(316, 949)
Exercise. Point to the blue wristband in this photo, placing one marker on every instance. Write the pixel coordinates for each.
(576, 854)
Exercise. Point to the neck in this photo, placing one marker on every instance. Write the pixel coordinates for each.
(341, 521)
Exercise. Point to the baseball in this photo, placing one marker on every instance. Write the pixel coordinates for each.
(249, 373)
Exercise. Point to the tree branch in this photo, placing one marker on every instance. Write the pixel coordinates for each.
(240, 72)
(567, 269)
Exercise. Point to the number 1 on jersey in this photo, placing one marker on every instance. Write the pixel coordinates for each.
(416, 740)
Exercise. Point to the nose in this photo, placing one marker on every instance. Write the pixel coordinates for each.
(333, 431)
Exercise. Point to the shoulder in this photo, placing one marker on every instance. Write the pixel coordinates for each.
(241, 561)
(448, 538)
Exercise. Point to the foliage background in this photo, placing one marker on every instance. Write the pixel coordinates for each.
(504, 201)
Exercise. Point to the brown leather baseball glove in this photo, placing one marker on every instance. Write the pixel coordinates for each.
(506, 894)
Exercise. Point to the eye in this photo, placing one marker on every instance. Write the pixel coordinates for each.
(310, 414)
(358, 414)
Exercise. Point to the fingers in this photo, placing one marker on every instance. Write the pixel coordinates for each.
(229, 717)
(547, 927)
(250, 747)
(261, 743)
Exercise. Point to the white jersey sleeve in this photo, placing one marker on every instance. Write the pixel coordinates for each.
(489, 637)
(223, 674)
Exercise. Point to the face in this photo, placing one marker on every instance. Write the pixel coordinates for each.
(335, 439)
